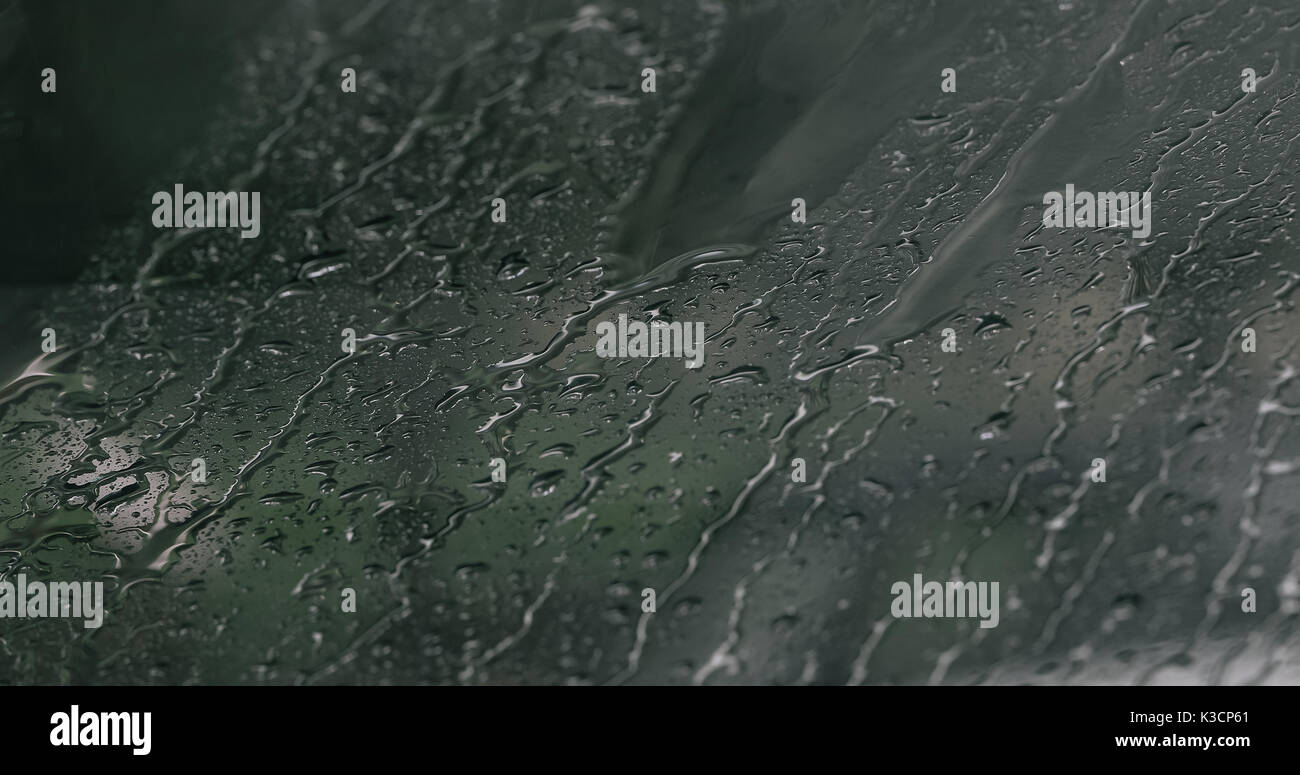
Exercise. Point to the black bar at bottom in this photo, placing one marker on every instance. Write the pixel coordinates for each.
(317, 725)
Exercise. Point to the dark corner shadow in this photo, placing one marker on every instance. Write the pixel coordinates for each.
(137, 84)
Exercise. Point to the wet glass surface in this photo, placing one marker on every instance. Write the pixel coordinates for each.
(370, 471)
